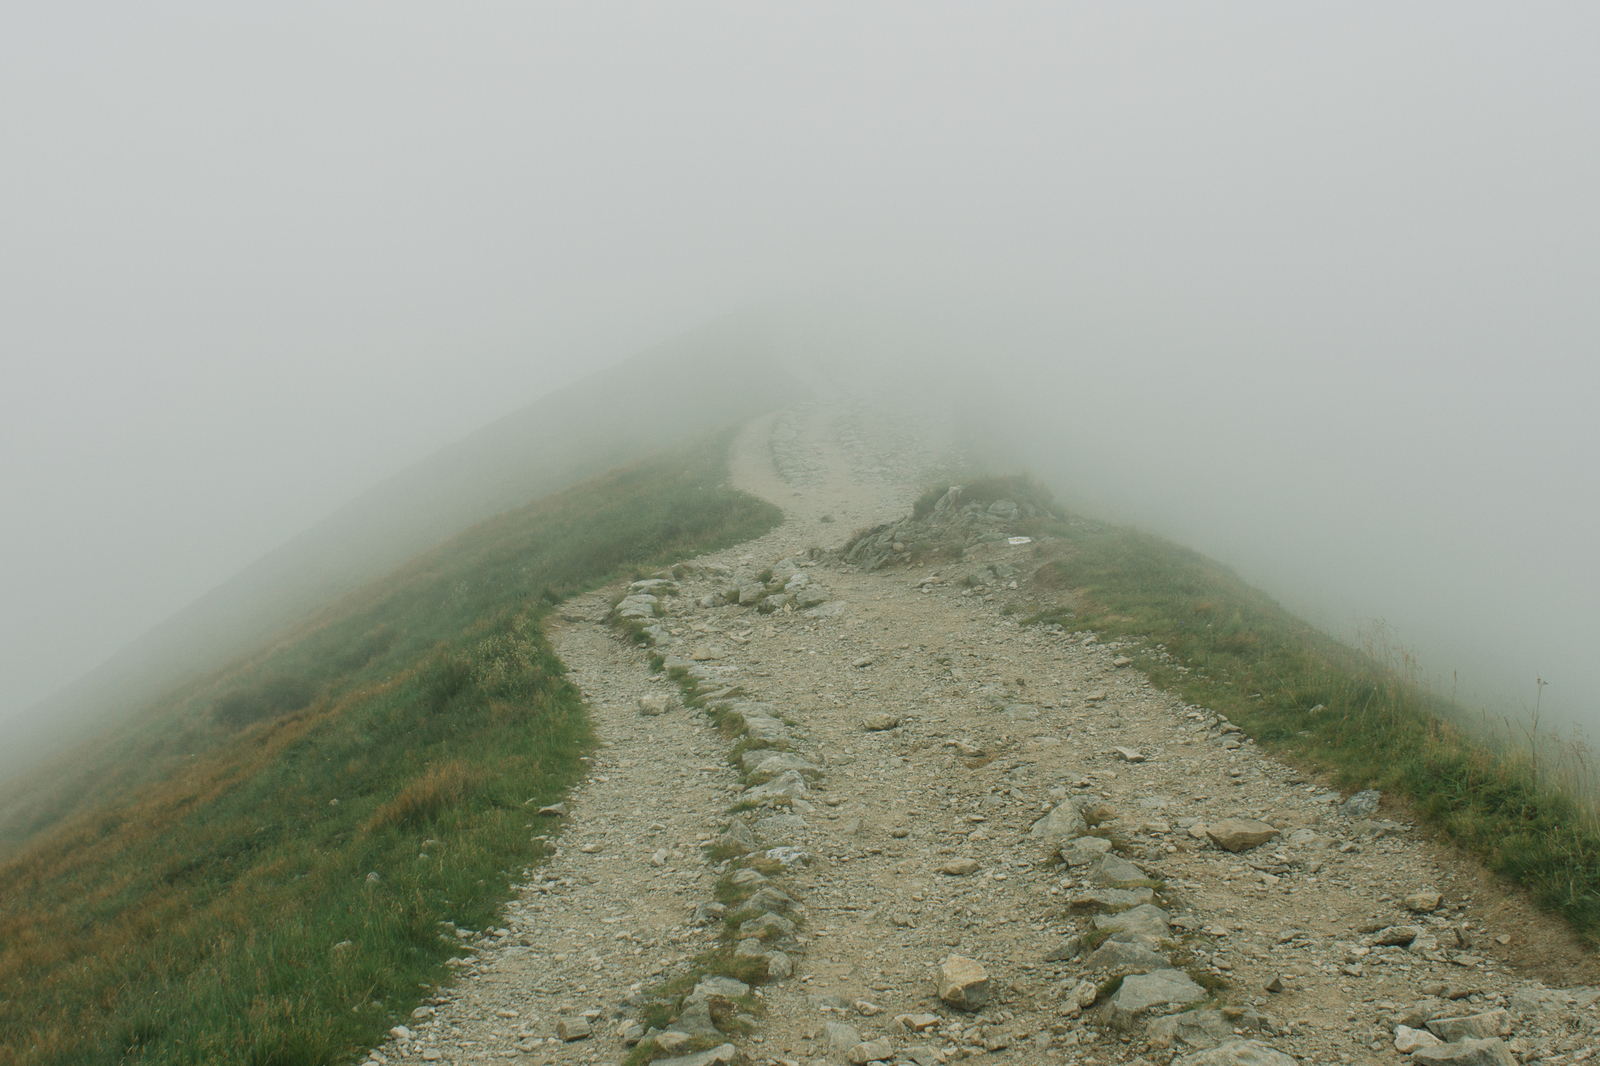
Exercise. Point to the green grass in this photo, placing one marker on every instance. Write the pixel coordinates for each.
(1219, 643)
(190, 891)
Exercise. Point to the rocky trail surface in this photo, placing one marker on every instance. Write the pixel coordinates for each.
(901, 827)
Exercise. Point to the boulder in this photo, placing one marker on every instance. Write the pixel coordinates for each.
(657, 703)
(1240, 834)
(963, 983)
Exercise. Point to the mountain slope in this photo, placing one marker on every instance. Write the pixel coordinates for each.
(711, 377)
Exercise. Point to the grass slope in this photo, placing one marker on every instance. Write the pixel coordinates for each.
(1355, 715)
(213, 904)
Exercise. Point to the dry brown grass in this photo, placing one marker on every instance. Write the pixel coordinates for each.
(444, 785)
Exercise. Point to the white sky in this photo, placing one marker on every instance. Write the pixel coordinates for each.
(1318, 282)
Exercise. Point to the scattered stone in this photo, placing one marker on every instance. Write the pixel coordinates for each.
(865, 660)
(1120, 661)
(1129, 754)
(555, 810)
(1395, 936)
(1240, 834)
(959, 867)
(655, 704)
(1276, 985)
(963, 983)
(880, 722)
(917, 1023)
(879, 1050)
(1423, 902)
(570, 1029)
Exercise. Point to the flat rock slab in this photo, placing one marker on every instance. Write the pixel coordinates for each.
(1132, 957)
(1111, 899)
(1465, 1053)
(1082, 851)
(1196, 1028)
(1154, 989)
(1236, 1053)
(1471, 1027)
(1114, 870)
(1240, 834)
(725, 1055)
(1144, 920)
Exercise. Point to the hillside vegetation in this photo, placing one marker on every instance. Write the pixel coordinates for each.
(255, 870)
(1356, 714)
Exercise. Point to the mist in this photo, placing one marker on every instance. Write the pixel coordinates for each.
(1311, 290)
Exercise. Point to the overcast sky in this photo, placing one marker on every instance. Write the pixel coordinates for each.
(1314, 286)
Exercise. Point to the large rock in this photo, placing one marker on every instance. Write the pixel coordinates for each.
(963, 983)
(1240, 834)
(1197, 1028)
(1130, 956)
(1472, 1026)
(1059, 826)
(1236, 1053)
(1144, 920)
(1157, 988)
(1466, 1053)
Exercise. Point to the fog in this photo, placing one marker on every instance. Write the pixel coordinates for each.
(1310, 289)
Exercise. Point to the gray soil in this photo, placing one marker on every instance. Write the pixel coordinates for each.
(996, 725)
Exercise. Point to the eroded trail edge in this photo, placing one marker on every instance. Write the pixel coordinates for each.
(844, 810)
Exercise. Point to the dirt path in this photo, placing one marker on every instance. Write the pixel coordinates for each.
(927, 733)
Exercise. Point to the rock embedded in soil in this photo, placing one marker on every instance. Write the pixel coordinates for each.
(1064, 823)
(1236, 1053)
(1465, 1053)
(1240, 834)
(1157, 988)
(963, 983)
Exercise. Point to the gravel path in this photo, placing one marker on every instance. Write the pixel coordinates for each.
(937, 733)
